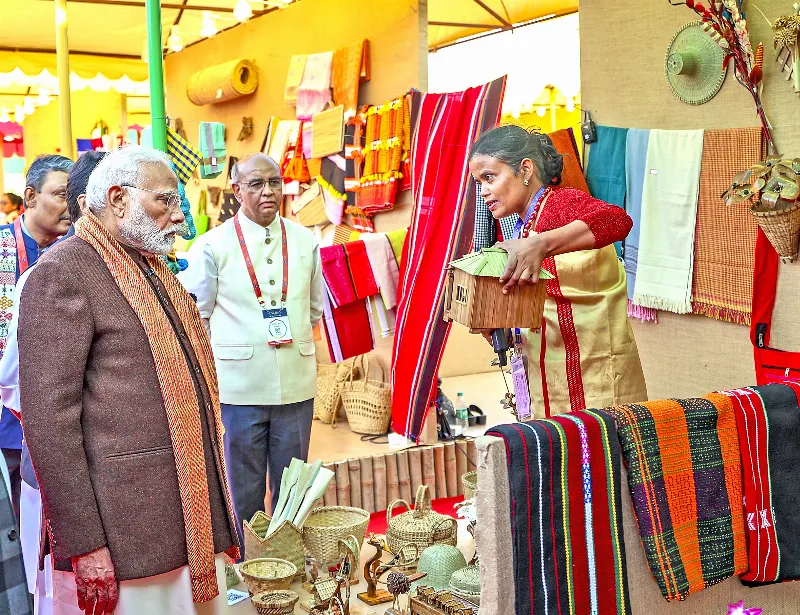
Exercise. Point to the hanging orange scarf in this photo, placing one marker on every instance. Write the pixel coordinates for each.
(177, 391)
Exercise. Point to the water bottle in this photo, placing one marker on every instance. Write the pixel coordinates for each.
(462, 413)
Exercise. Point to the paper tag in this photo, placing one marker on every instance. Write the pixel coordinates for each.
(235, 596)
(213, 161)
(653, 171)
(521, 392)
(278, 330)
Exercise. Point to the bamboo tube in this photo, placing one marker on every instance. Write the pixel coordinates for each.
(472, 454)
(438, 468)
(379, 478)
(415, 468)
(452, 479)
(355, 482)
(461, 465)
(429, 471)
(392, 479)
(342, 484)
(330, 494)
(404, 476)
(367, 486)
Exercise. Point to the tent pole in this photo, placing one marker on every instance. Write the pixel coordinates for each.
(62, 62)
(158, 111)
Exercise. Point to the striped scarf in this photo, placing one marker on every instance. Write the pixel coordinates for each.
(566, 516)
(684, 475)
(177, 390)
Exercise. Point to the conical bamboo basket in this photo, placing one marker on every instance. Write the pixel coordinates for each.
(782, 228)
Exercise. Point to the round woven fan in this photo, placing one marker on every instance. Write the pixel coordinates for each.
(693, 65)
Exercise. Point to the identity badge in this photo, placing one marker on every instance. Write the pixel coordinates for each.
(278, 330)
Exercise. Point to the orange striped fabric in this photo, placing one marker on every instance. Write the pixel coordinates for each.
(572, 175)
(177, 390)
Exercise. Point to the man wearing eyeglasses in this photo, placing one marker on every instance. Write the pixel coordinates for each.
(258, 283)
(21, 244)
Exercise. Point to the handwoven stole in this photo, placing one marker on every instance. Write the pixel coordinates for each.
(8, 281)
(177, 391)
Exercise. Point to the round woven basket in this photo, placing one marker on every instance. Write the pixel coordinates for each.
(467, 582)
(222, 82)
(470, 482)
(367, 403)
(327, 525)
(266, 573)
(782, 228)
(275, 602)
(421, 527)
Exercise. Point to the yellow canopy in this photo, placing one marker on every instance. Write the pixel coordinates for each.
(33, 63)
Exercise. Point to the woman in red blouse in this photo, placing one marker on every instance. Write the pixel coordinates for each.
(584, 355)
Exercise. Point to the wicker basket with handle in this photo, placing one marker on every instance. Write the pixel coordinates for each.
(367, 403)
(327, 525)
(328, 401)
(421, 527)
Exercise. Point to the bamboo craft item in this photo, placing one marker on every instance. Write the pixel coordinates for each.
(472, 455)
(450, 470)
(438, 469)
(461, 465)
(326, 526)
(222, 82)
(392, 478)
(368, 402)
(421, 527)
(429, 472)
(415, 468)
(354, 468)
(404, 475)
(379, 479)
(285, 543)
(275, 602)
(330, 498)
(342, 484)
(367, 485)
(267, 573)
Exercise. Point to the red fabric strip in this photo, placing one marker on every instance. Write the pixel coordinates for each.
(337, 275)
(360, 269)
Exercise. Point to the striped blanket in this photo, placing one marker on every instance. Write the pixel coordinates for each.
(684, 475)
(768, 421)
(566, 518)
(441, 230)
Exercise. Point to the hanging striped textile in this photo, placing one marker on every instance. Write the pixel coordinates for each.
(445, 126)
(566, 516)
(183, 155)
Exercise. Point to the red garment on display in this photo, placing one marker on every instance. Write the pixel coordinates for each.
(360, 269)
(353, 329)
(337, 275)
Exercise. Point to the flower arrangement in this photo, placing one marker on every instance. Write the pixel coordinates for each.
(725, 23)
(738, 609)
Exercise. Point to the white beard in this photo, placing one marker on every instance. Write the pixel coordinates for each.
(141, 232)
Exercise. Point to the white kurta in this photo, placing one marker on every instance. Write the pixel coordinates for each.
(165, 594)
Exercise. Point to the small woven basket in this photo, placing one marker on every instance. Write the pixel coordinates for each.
(368, 403)
(231, 576)
(267, 573)
(284, 543)
(275, 602)
(467, 582)
(421, 527)
(782, 228)
(328, 402)
(470, 482)
(327, 525)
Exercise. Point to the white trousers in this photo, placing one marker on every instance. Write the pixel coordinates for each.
(165, 594)
(30, 526)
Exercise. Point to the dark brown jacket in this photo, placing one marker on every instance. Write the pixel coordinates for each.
(95, 422)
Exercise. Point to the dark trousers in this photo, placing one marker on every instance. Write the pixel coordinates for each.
(258, 439)
(13, 457)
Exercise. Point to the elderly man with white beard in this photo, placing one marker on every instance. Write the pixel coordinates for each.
(121, 404)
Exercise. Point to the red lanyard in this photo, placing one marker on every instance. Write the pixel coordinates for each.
(249, 263)
(22, 252)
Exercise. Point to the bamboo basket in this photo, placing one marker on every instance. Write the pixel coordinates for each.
(267, 574)
(421, 527)
(275, 602)
(470, 482)
(328, 401)
(327, 525)
(367, 403)
(285, 543)
(222, 82)
(782, 228)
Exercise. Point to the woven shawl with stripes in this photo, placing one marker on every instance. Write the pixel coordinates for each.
(177, 391)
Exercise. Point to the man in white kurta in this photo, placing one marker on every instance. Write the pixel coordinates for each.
(257, 280)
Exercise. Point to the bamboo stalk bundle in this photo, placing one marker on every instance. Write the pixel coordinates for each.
(342, 484)
(438, 470)
(354, 466)
(367, 485)
(379, 478)
(392, 479)
(415, 468)
(472, 455)
(404, 476)
(429, 472)
(461, 465)
(451, 470)
(330, 498)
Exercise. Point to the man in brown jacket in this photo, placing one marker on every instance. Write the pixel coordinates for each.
(121, 407)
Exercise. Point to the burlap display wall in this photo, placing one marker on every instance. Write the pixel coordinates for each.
(623, 45)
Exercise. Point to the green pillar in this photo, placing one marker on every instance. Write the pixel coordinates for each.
(156, 65)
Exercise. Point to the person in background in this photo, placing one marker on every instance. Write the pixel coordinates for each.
(10, 207)
(121, 409)
(258, 283)
(30, 498)
(26, 239)
(585, 354)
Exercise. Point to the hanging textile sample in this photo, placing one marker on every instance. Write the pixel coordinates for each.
(183, 155)
(314, 91)
(572, 175)
(441, 230)
(349, 64)
(605, 171)
(725, 239)
(297, 65)
(566, 515)
(212, 146)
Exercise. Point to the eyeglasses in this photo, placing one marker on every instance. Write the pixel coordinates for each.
(257, 185)
(170, 199)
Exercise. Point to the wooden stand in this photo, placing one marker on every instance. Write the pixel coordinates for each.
(372, 572)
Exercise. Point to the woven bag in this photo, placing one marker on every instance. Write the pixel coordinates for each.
(284, 543)
(367, 403)
(421, 527)
(328, 401)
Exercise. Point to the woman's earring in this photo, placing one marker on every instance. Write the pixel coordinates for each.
(526, 182)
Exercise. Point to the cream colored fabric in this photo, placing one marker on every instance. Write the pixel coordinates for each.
(594, 283)
(165, 594)
(497, 580)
